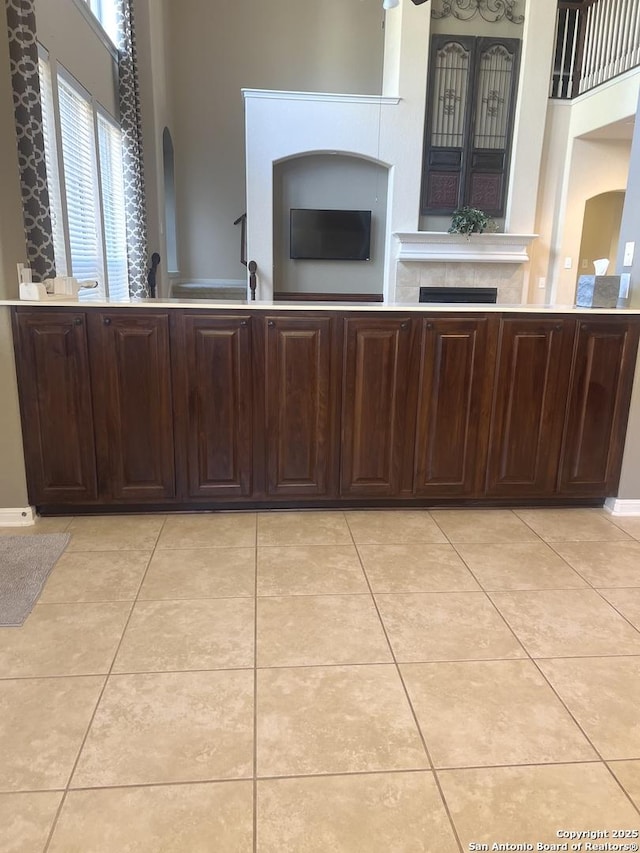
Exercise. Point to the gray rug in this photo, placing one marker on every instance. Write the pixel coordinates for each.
(25, 563)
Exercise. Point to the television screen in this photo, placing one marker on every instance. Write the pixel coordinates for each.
(330, 235)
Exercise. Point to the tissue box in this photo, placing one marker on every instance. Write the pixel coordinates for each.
(598, 291)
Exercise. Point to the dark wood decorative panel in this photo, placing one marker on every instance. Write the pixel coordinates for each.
(216, 390)
(374, 431)
(485, 191)
(598, 407)
(300, 399)
(453, 403)
(55, 394)
(133, 405)
(443, 190)
(526, 429)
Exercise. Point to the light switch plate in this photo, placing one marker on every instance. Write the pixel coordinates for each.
(629, 249)
(568, 263)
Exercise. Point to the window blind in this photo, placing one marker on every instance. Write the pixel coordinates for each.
(51, 160)
(113, 207)
(81, 185)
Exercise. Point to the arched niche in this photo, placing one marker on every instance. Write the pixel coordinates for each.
(328, 180)
(170, 201)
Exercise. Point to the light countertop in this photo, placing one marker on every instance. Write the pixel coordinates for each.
(374, 307)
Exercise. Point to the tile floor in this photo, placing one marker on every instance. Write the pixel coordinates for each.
(367, 682)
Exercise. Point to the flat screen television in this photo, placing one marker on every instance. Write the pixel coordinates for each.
(330, 235)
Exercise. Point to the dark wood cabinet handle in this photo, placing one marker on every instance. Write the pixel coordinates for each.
(559, 327)
(585, 328)
(428, 325)
(404, 326)
(77, 321)
(270, 323)
(107, 321)
(243, 323)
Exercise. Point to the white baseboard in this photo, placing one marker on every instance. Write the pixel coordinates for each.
(616, 506)
(18, 517)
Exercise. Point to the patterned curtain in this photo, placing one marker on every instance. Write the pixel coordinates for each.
(23, 53)
(131, 123)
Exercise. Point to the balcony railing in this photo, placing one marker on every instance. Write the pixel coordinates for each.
(596, 40)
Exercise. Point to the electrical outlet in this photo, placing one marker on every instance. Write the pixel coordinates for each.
(542, 283)
(584, 264)
(629, 249)
(568, 263)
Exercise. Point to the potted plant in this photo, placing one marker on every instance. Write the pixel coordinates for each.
(470, 220)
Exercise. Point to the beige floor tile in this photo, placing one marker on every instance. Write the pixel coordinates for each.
(96, 576)
(42, 724)
(568, 622)
(170, 727)
(532, 565)
(446, 626)
(415, 568)
(603, 694)
(385, 527)
(529, 805)
(216, 633)
(26, 820)
(209, 818)
(209, 530)
(310, 570)
(51, 524)
(303, 528)
(64, 639)
(629, 525)
(483, 526)
(307, 630)
(377, 813)
(491, 712)
(335, 720)
(628, 773)
(201, 573)
(604, 563)
(115, 532)
(627, 601)
(571, 525)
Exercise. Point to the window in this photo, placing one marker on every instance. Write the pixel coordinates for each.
(469, 123)
(83, 151)
(106, 13)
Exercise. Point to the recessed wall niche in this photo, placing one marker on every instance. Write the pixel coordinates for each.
(327, 181)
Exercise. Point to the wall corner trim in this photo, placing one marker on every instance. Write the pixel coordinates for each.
(622, 507)
(24, 516)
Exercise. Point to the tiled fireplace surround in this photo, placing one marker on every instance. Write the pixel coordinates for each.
(508, 278)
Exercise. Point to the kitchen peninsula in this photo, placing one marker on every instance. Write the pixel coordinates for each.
(192, 405)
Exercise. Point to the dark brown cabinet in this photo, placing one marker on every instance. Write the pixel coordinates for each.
(454, 395)
(133, 408)
(214, 412)
(301, 397)
(534, 366)
(375, 427)
(144, 406)
(52, 359)
(598, 406)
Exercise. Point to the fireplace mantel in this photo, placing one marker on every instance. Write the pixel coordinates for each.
(439, 246)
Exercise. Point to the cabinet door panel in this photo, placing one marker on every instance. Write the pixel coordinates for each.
(133, 405)
(55, 397)
(217, 398)
(374, 405)
(598, 406)
(300, 400)
(529, 404)
(452, 409)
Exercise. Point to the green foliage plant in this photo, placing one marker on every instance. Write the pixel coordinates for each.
(470, 220)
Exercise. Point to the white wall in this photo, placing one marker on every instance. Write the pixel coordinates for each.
(216, 50)
(151, 18)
